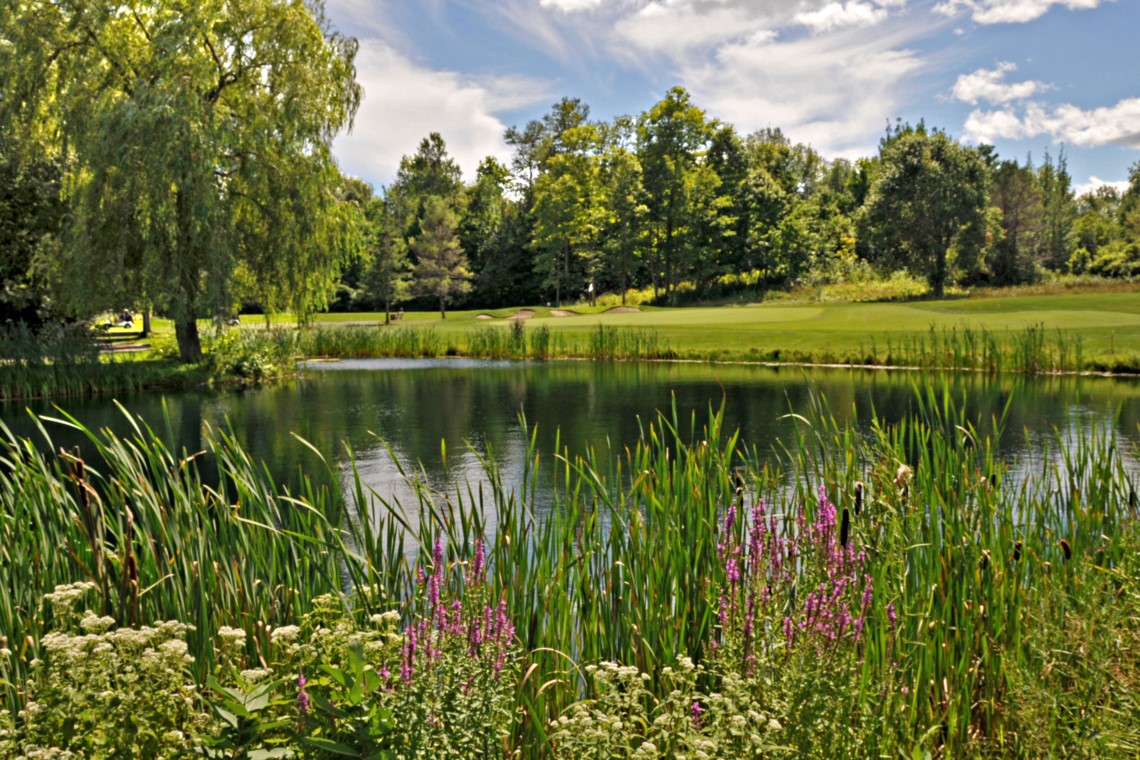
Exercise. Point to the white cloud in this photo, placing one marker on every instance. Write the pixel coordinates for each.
(678, 28)
(404, 102)
(571, 6)
(1009, 11)
(1094, 183)
(989, 85)
(1088, 128)
(835, 91)
(839, 15)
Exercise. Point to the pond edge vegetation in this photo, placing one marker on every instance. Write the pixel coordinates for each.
(864, 594)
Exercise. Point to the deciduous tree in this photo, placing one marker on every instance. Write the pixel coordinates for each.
(928, 203)
(195, 135)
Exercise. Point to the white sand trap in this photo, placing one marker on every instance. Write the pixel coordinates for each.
(562, 313)
(523, 314)
(621, 310)
(483, 316)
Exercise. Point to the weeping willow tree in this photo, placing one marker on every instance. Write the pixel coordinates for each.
(196, 139)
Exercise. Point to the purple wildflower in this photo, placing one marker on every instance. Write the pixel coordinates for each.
(408, 660)
(695, 711)
(891, 616)
(302, 695)
(478, 563)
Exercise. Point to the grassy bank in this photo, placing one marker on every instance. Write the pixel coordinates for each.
(1097, 331)
(901, 592)
(1023, 332)
(120, 362)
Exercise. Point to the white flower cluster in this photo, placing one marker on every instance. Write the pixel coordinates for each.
(286, 634)
(253, 675)
(64, 597)
(231, 636)
(92, 623)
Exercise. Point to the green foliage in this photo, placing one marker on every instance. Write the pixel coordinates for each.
(979, 613)
(625, 720)
(441, 267)
(101, 691)
(245, 356)
(927, 207)
(181, 169)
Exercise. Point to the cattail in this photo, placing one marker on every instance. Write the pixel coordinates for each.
(844, 528)
(859, 497)
(984, 562)
(1066, 549)
(1016, 551)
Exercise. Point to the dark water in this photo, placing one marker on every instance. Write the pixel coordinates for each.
(414, 405)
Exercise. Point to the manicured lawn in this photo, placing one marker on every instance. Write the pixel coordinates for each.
(1106, 322)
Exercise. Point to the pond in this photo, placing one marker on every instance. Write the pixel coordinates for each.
(474, 407)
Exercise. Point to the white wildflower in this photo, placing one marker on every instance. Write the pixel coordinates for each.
(286, 634)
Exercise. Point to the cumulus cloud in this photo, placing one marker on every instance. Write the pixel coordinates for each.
(1095, 183)
(403, 102)
(1009, 11)
(990, 85)
(1088, 128)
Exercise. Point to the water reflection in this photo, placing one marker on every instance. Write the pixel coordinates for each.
(474, 408)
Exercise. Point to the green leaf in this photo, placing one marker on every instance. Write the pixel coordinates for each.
(325, 706)
(337, 675)
(328, 745)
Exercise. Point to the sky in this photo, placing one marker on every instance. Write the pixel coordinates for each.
(1030, 77)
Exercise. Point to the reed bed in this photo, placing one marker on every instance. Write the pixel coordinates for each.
(60, 363)
(998, 604)
(515, 341)
(1034, 350)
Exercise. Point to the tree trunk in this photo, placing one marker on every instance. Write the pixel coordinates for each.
(938, 278)
(387, 311)
(189, 343)
(442, 312)
(146, 323)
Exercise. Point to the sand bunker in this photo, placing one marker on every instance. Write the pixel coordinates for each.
(621, 310)
(523, 314)
(483, 316)
(562, 313)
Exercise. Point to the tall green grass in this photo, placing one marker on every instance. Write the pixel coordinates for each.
(61, 363)
(1031, 351)
(516, 341)
(613, 555)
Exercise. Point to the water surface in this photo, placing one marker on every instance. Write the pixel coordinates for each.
(474, 408)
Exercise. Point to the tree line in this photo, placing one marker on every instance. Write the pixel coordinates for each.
(176, 157)
(682, 204)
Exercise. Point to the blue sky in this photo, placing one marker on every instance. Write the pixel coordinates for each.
(1027, 76)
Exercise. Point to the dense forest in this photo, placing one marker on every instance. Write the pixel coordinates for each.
(177, 160)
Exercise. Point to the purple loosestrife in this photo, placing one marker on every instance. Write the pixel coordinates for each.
(302, 695)
(408, 659)
(478, 564)
(695, 711)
